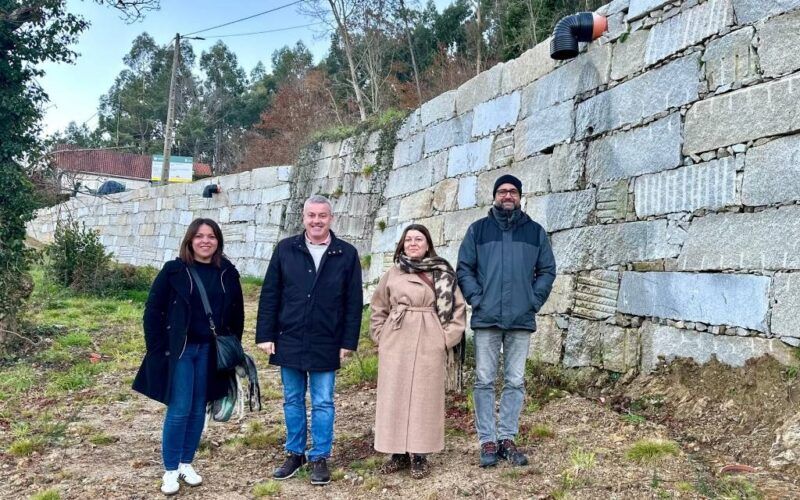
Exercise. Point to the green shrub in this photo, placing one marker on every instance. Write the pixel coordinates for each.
(651, 450)
(77, 259)
(51, 494)
(267, 489)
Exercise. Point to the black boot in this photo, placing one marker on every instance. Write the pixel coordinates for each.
(289, 467)
(320, 474)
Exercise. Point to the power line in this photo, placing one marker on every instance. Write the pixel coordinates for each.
(266, 31)
(245, 18)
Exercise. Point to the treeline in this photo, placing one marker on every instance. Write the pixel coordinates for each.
(384, 55)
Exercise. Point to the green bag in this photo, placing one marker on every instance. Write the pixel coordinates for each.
(222, 409)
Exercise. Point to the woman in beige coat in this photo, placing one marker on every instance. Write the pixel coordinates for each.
(418, 313)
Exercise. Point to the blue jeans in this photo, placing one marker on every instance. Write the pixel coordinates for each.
(515, 344)
(320, 384)
(183, 424)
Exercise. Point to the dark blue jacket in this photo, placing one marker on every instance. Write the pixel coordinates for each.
(506, 275)
(167, 315)
(310, 315)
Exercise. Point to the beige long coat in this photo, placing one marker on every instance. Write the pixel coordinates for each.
(412, 352)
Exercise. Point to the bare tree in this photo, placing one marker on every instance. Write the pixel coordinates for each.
(342, 12)
(404, 14)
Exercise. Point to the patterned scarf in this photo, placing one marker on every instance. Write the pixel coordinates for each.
(444, 281)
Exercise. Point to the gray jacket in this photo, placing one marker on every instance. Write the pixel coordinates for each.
(506, 270)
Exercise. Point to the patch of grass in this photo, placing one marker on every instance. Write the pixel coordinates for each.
(634, 419)
(16, 380)
(337, 474)
(25, 447)
(338, 192)
(80, 376)
(252, 280)
(366, 261)
(366, 465)
(533, 406)
(267, 489)
(262, 440)
(511, 474)
(303, 473)
(737, 488)
(381, 225)
(684, 487)
(51, 494)
(102, 439)
(368, 170)
(74, 339)
(372, 483)
(541, 431)
(270, 393)
(582, 460)
(651, 450)
(358, 370)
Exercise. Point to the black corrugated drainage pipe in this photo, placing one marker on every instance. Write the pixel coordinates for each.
(580, 27)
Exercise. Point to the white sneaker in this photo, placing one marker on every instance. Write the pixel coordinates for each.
(189, 476)
(169, 483)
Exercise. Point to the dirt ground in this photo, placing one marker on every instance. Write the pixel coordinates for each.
(578, 445)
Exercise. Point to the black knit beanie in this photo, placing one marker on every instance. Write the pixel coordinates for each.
(507, 179)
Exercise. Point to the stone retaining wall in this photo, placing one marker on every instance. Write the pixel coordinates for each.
(663, 161)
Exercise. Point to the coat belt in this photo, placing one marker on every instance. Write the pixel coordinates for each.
(400, 313)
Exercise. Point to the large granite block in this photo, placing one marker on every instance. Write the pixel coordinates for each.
(786, 307)
(543, 129)
(709, 185)
(481, 88)
(414, 177)
(469, 157)
(408, 151)
(772, 172)
(666, 342)
(639, 8)
(496, 114)
(447, 134)
(779, 44)
(707, 298)
(760, 111)
(731, 60)
(596, 294)
(643, 150)
(546, 341)
(441, 107)
(688, 28)
(561, 296)
(530, 66)
(665, 88)
(559, 211)
(741, 241)
(586, 72)
(629, 55)
(614, 244)
(749, 11)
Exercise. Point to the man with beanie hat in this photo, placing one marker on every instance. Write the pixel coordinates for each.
(506, 270)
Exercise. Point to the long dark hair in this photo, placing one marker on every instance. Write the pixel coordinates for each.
(415, 227)
(186, 253)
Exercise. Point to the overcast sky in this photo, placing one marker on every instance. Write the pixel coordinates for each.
(75, 89)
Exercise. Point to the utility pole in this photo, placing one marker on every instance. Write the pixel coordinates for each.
(170, 111)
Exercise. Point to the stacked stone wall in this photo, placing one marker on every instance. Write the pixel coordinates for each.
(663, 161)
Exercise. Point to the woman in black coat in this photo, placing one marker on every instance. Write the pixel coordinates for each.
(179, 368)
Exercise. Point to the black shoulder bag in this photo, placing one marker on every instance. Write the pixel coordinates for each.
(229, 349)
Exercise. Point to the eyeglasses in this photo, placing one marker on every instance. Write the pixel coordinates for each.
(504, 192)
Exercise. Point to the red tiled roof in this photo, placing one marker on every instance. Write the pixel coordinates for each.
(112, 163)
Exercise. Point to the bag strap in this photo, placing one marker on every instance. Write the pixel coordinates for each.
(202, 289)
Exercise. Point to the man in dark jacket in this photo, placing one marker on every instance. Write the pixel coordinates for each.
(309, 318)
(506, 270)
